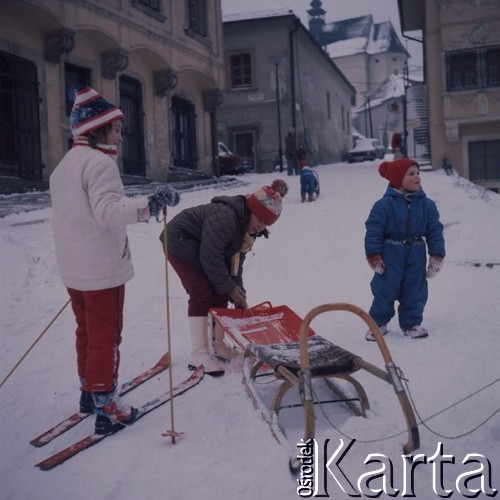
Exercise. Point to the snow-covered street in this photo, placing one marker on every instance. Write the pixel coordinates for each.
(313, 256)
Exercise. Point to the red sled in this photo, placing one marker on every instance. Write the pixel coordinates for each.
(276, 341)
(261, 324)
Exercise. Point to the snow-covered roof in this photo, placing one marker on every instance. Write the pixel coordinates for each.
(350, 28)
(384, 39)
(257, 14)
(360, 34)
(347, 47)
(392, 88)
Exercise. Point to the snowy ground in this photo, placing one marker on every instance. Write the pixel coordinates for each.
(313, 256)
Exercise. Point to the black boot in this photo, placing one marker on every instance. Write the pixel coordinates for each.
(105, 425)
(86, 402)
(112, 413)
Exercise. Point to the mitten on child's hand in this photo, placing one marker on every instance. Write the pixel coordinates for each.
(239, 298)
(161, 197)
(376, 263)
(435, 265)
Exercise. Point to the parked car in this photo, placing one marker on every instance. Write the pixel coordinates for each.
(232, 164)
(366, 150)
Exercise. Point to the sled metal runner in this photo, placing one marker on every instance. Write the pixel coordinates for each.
(277, 342)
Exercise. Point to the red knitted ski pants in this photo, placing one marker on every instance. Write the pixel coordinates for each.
(99, 320)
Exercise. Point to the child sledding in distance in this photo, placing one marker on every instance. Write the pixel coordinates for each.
(400, 226)
(308, 184)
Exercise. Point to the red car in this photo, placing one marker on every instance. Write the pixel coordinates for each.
(232, 164)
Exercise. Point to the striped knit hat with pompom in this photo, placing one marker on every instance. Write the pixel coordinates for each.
(266, 203)
(90, 112)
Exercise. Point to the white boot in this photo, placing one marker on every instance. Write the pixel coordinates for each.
(198, 328)
(220, 348)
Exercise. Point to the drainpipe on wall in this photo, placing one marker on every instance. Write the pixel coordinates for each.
(291, 36)
(405, 110)
(212, 99)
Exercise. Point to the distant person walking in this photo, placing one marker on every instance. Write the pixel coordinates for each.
(292, 166)
(397, 145)
(301, 155)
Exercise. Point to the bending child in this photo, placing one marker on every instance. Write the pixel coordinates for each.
(207, 245)
(308, 184)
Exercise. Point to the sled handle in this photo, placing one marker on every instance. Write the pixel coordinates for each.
(340, 306)
(263, 305)
(305, 372)
(413, 435)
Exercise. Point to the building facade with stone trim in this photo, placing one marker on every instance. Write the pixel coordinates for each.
(161, 61)
(462, 76)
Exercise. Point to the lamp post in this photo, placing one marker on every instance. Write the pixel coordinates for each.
(277, 60)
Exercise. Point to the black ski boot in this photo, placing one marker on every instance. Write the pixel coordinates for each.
(86, 402)
(112, 413)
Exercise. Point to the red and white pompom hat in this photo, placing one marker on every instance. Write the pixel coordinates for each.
(90, 112)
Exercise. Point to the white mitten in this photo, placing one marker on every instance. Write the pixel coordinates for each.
(435, 266)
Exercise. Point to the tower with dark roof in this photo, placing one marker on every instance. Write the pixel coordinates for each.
(316, 20)
(372, 58)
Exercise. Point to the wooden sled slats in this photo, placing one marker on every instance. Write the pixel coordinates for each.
(325, 357)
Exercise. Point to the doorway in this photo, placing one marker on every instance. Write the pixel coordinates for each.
(133, 157)
(244, 145)
(20, 152)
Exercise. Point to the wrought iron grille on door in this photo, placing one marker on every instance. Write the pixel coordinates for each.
(20, 154)
(184, 133)
(133, 157)
(484, 161)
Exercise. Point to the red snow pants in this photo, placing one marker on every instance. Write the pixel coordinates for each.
(202, 295)
(99, 320)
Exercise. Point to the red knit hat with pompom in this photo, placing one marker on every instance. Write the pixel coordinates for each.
(266, 203)
(395, 171)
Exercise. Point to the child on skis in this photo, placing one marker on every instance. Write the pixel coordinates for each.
(400, 226)
(90, 216)
(308, 184)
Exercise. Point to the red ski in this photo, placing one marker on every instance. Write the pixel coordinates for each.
(76, 418)
(93, 439)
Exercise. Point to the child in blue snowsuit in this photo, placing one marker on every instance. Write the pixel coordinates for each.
(307, 183)
(400, 226)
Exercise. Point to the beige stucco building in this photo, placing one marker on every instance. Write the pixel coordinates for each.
(462, 74)
(161, 61)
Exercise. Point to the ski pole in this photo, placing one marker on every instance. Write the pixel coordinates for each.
(33, 344)
(170, 433)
